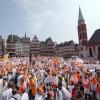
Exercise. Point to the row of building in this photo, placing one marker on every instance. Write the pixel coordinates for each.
(17, 46)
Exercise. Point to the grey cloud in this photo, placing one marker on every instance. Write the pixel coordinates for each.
(47, 17)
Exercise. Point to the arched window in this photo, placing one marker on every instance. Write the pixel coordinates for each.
(90, 52)
(83, 28)
(84, 35)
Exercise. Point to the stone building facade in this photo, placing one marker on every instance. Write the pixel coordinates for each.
(25, 43)
(47, 48)
(11, 45)
(18, 46)
(67, 49)
(35, 46)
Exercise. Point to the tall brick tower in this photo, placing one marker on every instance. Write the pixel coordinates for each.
(82, 35)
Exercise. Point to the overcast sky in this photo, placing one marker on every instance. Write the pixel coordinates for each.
(55, 18)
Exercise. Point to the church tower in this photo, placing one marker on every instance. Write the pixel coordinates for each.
(82, 35)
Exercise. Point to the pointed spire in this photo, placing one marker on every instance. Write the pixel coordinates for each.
(80, 18)
(25, 35)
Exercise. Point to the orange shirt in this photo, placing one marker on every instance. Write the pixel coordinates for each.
(33, 87)
(78, 76)
(94, 81)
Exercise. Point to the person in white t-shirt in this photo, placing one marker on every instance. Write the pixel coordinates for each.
(15, 95)
(71, 87)
(66, 94)
(59, 95)
(3, 87)
(7, 93)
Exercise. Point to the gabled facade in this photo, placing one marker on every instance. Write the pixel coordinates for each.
(35, 46)
(67, 49)
(47, 47)
(25, 51)
(50, 49)
(11, 45)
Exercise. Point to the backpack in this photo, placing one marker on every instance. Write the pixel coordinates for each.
(14, 98)
(16, 78)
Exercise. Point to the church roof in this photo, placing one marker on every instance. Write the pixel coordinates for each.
(95, 37)
(80, 18)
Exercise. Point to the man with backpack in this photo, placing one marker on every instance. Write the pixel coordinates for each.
(15, 95)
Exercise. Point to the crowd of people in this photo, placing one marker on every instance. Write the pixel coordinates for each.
(47, 78)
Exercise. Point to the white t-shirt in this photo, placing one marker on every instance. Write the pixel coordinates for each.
(66, 94)
(38, 97)
(47, 79)
(86, 90)
(7, 94)
(1, 81)
(24, 97)
(59, 95)
(70, 88)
